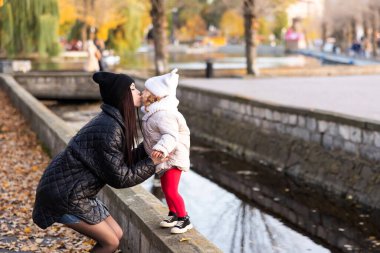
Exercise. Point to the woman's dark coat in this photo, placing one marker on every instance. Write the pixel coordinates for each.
(93, 158)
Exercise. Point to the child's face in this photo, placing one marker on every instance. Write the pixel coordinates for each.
(145, 95)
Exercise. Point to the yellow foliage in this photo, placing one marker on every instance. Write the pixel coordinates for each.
(1, 2)
(27, 230)
(311, 28)
(193, 27)
(232, 24)
(104, 15)
(67, 12)
(215, 41)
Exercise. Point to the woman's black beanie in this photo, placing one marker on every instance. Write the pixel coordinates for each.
(112, 86)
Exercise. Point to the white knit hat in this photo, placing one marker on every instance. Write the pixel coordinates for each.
(164, 85)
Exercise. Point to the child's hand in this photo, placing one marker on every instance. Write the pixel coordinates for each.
(158, 157)
(157, 154)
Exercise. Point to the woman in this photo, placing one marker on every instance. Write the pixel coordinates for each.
(102, 152)
(92, 63)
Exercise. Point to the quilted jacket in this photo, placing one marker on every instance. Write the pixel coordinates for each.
(92, 159)
(165, 130)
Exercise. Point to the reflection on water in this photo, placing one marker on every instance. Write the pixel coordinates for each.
(336, 222)
(240, 63)
(139, 61)
(232, 224)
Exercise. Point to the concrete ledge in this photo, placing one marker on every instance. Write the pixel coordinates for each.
(50, 129)
(137, 211)
(59, 85)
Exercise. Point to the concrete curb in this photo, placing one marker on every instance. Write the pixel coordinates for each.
(137, 211)
(59, 85)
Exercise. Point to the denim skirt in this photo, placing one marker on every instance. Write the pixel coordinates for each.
(69, 219)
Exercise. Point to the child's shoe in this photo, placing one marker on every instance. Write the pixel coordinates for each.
(183, 225)
(169, 221)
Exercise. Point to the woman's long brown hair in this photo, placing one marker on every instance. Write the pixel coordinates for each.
(127, 110)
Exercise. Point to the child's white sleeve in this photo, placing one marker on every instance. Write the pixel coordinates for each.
(169, 131)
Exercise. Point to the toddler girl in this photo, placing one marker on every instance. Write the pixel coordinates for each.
(167, 134)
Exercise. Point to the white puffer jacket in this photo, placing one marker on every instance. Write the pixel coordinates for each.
(165, 129)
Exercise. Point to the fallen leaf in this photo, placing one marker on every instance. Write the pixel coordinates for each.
(39, 240)
(22, 161)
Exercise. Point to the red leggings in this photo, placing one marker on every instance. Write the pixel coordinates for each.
(169, 184)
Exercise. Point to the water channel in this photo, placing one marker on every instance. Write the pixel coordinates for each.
(281, 217)
(184, 61)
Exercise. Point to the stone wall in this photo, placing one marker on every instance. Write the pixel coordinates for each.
(136, 210)
(332, 152)
(59, 85)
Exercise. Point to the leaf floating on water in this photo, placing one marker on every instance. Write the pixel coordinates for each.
(245, 172)
(256, 189)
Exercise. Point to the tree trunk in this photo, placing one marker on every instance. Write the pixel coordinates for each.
(339, 36)
(354, 34)
(250, 36)
(324, 35)
(375, 29)
(365, 27)
(159, 35)
(84, 28)
(347, 40)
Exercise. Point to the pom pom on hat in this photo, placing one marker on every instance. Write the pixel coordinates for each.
(164, 85)
(112, 86)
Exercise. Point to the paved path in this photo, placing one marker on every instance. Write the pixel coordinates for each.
(357, 96)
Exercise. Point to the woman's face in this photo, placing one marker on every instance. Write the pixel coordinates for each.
(136, 94)
(145, 95)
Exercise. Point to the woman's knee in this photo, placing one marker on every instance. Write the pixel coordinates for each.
(115, 227)
(119, 232)
(102, 233)
(112, 242)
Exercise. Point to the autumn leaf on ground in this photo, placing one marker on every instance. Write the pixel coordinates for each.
(22, 162)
